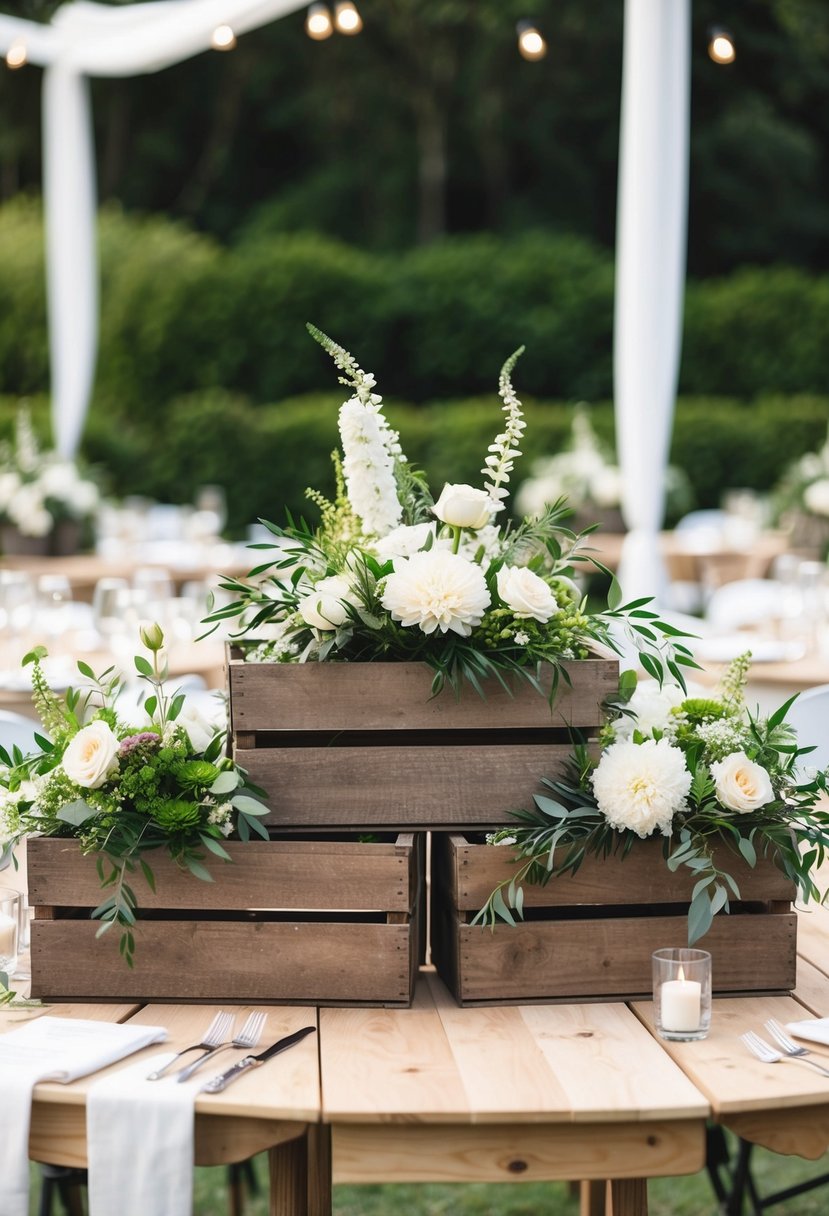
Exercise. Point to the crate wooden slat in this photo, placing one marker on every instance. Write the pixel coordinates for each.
(289, 921)
(367, 745)
(591, 935)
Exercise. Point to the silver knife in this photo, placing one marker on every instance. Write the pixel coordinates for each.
(217, 1084)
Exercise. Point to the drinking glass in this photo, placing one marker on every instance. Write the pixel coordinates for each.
(9, 929)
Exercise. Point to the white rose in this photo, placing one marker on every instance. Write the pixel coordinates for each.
(200, 728)
(463, 506)
(90, 755)
(324, 607)
(525, 593)
(741, 785)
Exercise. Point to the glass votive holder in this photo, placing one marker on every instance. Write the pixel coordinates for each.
(9, 923)
(682, 993)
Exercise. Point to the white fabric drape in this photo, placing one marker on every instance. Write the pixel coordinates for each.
(650, 272)
(71, 250)
(87, 39)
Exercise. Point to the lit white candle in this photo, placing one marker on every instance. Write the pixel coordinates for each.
(8, 933)
(681, 1001)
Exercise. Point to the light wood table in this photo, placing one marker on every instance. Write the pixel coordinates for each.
(270, 1108)
(693, 561)
(501, 1093)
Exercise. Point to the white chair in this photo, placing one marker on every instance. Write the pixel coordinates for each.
(745, 602)
(17, 731)
(709, 520)
(810, 717)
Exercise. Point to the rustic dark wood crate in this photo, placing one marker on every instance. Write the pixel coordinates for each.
(590, 935)
(366, 745)
(290, 921)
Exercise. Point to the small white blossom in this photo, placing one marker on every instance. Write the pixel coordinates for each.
(521, 637)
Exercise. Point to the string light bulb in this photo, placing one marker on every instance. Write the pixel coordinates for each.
(346, 18)
(721, 45)
(318, 23)
(16, 56)
(223, 38)
(531, 43)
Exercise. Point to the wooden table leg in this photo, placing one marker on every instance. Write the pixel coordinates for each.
(289, 1178)
(627, 1197)
(592, 1198)
(319, 1169)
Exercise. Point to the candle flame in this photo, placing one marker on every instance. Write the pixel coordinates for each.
(681, 975)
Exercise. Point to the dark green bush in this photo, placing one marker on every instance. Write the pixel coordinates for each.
(180, 314)
(266, 455)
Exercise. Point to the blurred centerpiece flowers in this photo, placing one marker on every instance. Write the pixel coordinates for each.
(46, 503)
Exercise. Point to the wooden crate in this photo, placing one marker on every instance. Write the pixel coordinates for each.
(290, 921)
(365, 744)
(591, 935)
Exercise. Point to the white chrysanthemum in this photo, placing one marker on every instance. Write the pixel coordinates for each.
(369, 450)
(651, 706)
(437, 590)
(640, 787)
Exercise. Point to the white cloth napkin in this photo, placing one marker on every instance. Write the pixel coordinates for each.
(816, 1030)
(50, 1049)
(140, 1142)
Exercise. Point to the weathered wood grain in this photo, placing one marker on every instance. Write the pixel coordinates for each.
(307, 921)
(397, 696)
(473, 871)
(404, 787)
(283, 874)
(190, 960)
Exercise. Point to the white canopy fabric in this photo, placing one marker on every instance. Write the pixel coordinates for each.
(650, 272)
(87, 39)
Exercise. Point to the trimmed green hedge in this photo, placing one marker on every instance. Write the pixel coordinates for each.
(266, 455)
(181, 314)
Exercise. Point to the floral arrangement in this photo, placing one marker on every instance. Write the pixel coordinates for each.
(702, 772)
(393, 573)
(122, 789)
(38, 489)
(582, 473)
(586, 475)
(803, 491)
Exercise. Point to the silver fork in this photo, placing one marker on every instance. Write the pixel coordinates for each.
(787, 1045)
(765, 1052)
(215, 1033)
(248, 1037)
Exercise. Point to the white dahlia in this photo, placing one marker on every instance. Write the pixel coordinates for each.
(640, 787)
(437, 590)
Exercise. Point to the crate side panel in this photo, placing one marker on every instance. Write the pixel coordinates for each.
(612, 957)
(641, 877)
(278, 875)
(225, 961)
(403, 787)
(397, 696)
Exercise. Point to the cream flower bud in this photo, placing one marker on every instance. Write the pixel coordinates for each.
(463, 506)
(152, 636)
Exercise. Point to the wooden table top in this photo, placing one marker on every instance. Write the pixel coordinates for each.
(436, 1089)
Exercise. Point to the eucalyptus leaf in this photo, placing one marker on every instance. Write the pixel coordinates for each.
(225, 782)
(76, 813)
